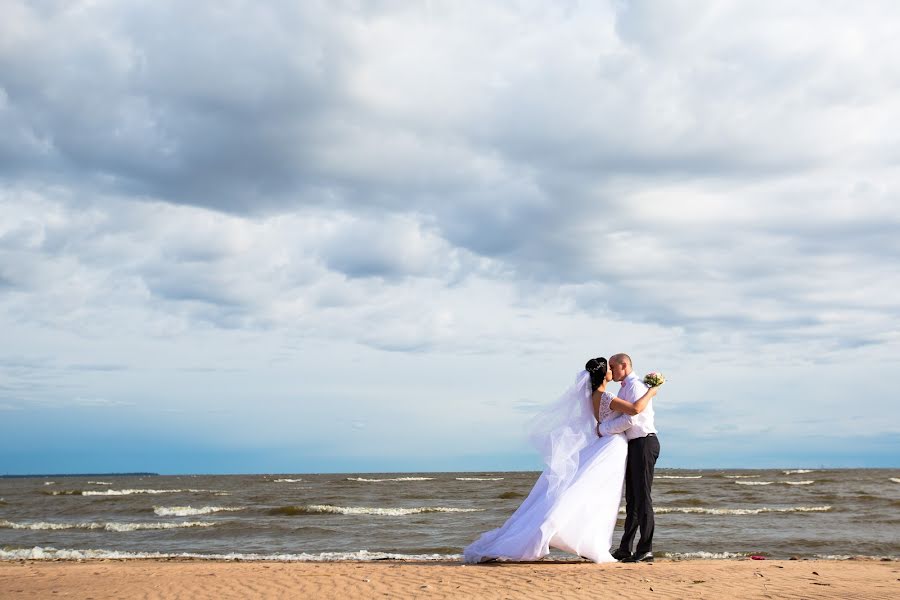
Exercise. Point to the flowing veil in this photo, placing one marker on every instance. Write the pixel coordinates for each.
(562, 430)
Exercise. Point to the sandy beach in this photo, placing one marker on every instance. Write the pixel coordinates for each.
(158, 579)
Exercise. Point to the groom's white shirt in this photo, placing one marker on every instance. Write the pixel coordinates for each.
(642, 425)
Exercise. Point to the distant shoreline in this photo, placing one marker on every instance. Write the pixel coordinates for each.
(408, 472)
(61, 475)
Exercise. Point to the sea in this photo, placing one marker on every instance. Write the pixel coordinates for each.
(707, 514)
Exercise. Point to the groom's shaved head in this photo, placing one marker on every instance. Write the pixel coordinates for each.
(621, 359)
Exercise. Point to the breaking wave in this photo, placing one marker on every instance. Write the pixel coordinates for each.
(678, 477)
(694, 510)
(739, 476)
(798, 471)
(128, 492)
(320, 509)
(705, 555)
(479, 479)
(391, 479)
(754, 482)
(287, 480)
(112, 526)
(100, 482)
(188, 511)
(808, 482)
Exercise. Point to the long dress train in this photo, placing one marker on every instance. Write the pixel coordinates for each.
(578, 518)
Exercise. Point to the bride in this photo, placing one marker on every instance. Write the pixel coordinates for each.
(574, 504)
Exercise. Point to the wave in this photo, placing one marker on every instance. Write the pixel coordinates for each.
(808, 482)
(853, 557)
(41, 526)
(187, 511)
(510, 495)
(678, 477)
(39, 553)
(798, 471)
(739, 476)
(391, 479)
(705, 555)
(100, 482)
(320, 509)
(895, 479)
(128, 492)
(754, 482)
(287, 480)
(49, 482)
(479, 479)
(693, 510)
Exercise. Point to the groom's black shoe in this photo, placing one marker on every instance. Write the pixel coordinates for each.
(620, 554)
(645, 557)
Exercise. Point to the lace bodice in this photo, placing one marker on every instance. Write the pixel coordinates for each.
(605, 412)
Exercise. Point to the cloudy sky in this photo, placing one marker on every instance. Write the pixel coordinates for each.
(377, 236)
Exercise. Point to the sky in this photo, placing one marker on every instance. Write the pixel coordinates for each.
(298, 237)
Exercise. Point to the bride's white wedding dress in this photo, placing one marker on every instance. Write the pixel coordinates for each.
(574, 504)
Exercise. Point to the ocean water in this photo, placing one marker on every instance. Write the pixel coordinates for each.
(777, 513)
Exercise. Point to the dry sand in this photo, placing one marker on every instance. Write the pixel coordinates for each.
(385, 579)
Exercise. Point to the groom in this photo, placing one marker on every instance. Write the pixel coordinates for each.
(643, 450)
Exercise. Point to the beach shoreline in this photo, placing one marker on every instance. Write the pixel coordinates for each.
(192, 578)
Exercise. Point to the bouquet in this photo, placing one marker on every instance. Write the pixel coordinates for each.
(654, 379)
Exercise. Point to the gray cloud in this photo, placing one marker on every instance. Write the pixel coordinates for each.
(713, 179)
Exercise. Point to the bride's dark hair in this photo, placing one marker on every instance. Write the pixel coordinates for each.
(597, 368)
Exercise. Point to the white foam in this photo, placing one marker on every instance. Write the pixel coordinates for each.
(188, 511)
(693, 510)
(479, 479)
(895, 479)
(678, 477)
(754, 482)
(705, 555)
(387, 512)
(41, 526)
(392, 479)
(288, 480)
(49, 482)
(798, 471)
(739, 476)
(808, 482)
(100, 482)
(39, 553)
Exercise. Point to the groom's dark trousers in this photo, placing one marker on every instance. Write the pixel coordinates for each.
(642, 455)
